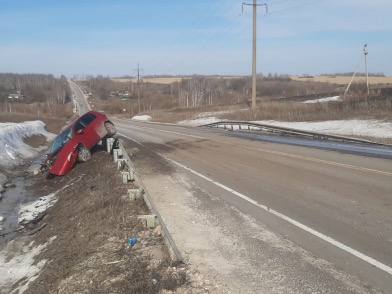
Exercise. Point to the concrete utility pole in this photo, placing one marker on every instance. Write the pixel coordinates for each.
(138, 86)
(366, 52)
(254, 48)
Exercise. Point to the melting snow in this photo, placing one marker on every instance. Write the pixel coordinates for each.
(354, 127)
(199, 121)
(322, 100)
(34, 210)
(12, 148)
(21, 269)
(144, 117)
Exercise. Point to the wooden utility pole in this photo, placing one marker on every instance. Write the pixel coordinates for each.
(254, 48)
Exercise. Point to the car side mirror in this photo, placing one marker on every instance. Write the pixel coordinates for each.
(80, 131)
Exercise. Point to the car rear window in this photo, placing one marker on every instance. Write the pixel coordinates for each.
(87, 119)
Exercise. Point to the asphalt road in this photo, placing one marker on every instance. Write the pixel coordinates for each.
(335, 205)
(81, 99)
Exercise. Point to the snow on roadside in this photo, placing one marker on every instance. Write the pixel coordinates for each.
(354, 127)
(199, 121)
(12, 148)
(213, 113)
(143, 117)
(34, 211)
(323, 100)
(21, 269)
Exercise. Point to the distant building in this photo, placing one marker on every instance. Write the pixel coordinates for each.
(16, 96)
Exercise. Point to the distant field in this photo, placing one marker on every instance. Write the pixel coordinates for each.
(162, 81)
(166, 80)
(344, 80)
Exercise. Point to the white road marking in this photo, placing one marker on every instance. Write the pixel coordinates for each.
(312, 159)
(286, 218)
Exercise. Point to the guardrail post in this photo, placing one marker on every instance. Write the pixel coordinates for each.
(117, 154)
(121, 163)
(109, 144)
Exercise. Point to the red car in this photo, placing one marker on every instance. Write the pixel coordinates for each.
(75, 142)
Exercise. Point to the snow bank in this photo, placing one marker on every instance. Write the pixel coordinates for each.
(355, 127)
(213, 113)
(33, 211)
(199, 121)
(22, 268)
(323, 100)
(12, 148)
(144, 117)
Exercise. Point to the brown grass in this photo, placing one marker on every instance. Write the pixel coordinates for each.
(54, 117)
(92, 223)
(373, 108)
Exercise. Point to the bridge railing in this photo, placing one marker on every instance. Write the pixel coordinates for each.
(283, 131)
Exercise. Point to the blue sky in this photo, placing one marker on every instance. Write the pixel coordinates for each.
(192, 36)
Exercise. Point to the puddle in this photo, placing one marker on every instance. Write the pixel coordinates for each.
(13, 197)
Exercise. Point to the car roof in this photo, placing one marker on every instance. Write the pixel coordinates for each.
(71, 125)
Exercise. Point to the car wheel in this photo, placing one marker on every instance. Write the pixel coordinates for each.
(110, 129)
(84, 154)
(50, 176)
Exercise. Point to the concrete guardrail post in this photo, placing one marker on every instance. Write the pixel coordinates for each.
(117, 154)
(109, 144)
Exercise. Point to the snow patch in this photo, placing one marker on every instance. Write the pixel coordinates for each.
(354, 127)
(33, 211)
(143, 117)
(199, 121)
(12, 148)
(21, 269)
(323, 100)
(213, 113)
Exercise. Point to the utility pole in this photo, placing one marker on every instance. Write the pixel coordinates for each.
(365, 53)
(254, 48)
(138, 86)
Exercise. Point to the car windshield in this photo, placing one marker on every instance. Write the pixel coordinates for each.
(62, 139)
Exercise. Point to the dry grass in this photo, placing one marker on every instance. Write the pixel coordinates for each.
(373, 108)
(92, 223)
(344, 80)
(55, 118)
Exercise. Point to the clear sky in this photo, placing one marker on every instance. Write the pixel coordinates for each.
(192, 36)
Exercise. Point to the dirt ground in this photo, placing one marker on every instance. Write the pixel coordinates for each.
(92, 221)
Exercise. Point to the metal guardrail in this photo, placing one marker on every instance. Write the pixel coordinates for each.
(256, 127)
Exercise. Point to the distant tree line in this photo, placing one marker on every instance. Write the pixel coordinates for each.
(199, 91)
(35, 88)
